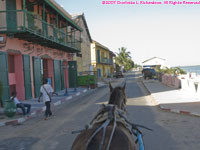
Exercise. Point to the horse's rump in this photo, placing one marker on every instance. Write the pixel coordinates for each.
(110, 128)
(121, 140)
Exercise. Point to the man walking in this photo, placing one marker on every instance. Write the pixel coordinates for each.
(45, 91)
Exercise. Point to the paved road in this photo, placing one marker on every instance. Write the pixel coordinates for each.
(171, 131)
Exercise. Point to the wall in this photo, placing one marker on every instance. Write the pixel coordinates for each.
(93, 53)
(105, 68)
(185, 82)
(190, 84)
(24, 47)
(84, 62)
(31, 49)
(170, 80)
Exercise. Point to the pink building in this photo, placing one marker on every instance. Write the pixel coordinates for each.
(37, 41)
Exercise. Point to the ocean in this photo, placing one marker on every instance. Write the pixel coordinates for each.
(195, 69)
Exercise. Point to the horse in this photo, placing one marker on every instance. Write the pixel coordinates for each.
(107, 134)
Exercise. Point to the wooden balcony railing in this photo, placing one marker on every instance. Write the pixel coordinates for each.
(20, 21)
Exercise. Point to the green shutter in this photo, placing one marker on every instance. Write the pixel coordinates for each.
(4, 75)
(62, 75)
(57, 76)
(72, 74)
(11, 16)
(37, 75)
(27, 76)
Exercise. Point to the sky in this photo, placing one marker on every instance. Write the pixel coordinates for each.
(171, 32)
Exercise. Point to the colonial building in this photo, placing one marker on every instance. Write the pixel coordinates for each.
(37, 40)
(83, 58)
(102, 59)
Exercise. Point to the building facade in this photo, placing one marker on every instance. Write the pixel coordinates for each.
(102, 60)
(153, 62)
(83, 58)
(37, 41)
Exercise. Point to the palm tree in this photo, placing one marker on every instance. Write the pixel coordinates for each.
(123, 56)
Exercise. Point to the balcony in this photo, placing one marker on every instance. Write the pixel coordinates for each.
(30, 27)
(107, 61)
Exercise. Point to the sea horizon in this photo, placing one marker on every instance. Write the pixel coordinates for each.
(185, 66)
(191, 69)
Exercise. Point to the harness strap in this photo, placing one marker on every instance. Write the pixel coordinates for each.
(101, 112)
(103, 137)
(113, 130)
(140, 140)
(141, 126)
(104, 125)
(110, 117)
(113, 114)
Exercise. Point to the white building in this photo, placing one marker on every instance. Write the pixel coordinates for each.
(153, 62)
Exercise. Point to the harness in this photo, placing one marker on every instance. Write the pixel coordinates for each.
(110, 113)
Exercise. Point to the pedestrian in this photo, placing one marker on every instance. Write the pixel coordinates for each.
(45, 93)
(18, 104)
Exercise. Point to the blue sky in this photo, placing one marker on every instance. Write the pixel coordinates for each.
(171, 32)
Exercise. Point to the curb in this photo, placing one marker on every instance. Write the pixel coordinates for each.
(172, 110)
(183, 112)
(40, 110)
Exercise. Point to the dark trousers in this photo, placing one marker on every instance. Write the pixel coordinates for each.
(48, 109)
(22, 106)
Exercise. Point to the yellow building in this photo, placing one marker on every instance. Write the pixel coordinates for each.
(102, 60)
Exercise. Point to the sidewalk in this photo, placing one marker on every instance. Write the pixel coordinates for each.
(173, 100)
(38, 108)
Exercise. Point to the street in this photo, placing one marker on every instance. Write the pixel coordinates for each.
(170, 131)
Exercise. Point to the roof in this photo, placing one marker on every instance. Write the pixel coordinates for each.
(62, 12)
(104, 47)
(77, 17)
(152, 58)
(112, 53)
(100, 45)
(61, 9)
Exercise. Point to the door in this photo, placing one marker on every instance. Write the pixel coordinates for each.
(108, 72)
(4, 75)
(72, 74)
(44, 25)
(27, 76)
(37, 75)
(45, 68)
(62, 75)
(11, 17)
(57, 76)
(30, 16)
(99, 72)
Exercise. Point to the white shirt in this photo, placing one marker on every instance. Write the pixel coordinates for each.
(45, 96)
(16, 101)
